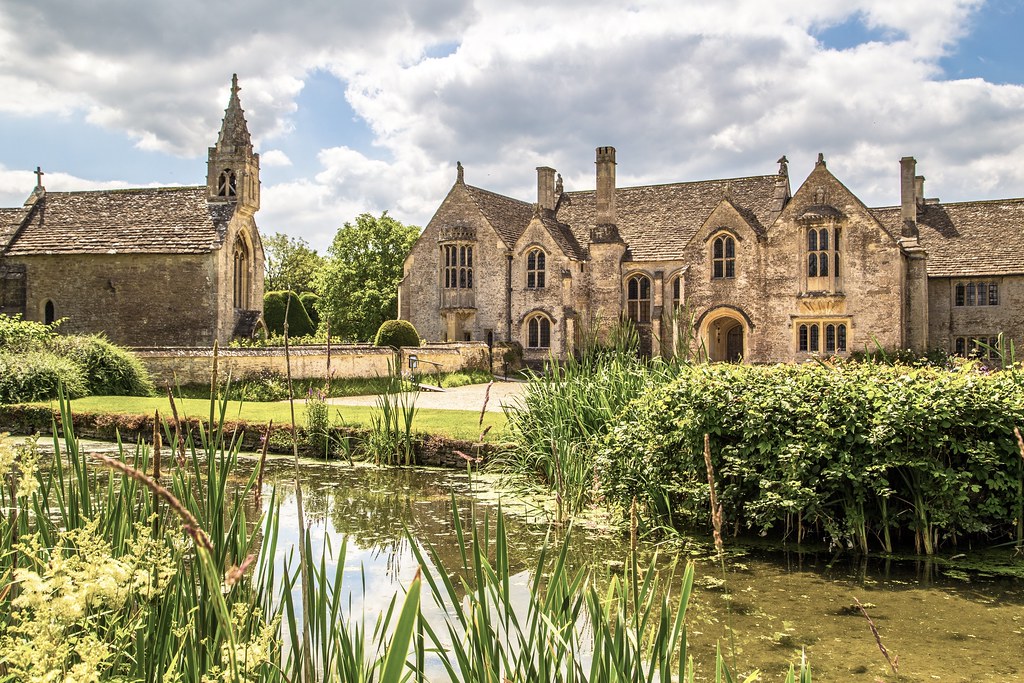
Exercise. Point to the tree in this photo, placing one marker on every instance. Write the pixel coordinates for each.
(358, 284)
(290, 264)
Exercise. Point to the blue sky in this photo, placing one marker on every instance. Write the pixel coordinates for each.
(368, 108)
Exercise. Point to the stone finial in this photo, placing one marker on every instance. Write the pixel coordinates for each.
(558, 185)
(821, 159)
(783, 163)
(460, 173)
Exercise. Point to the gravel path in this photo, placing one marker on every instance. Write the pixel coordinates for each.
(461, 398)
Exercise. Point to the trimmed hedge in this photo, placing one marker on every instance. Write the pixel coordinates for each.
(274, 304)
(309, 302)
(397, 333)
(860, 455)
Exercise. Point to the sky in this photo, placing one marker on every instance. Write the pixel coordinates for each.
(359, 106)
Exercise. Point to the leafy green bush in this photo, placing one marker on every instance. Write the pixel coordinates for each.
(397, 333)
(18, 336)
(35, 376)
(848, 454)
(274, 304)
(109, 370)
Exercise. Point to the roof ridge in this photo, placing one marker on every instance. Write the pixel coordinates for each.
(128, 190)
(960, 203)
(772, 176)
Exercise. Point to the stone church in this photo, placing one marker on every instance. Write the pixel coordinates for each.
(733, 269)
(168, 266)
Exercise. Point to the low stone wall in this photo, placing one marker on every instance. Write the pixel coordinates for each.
(193, 365)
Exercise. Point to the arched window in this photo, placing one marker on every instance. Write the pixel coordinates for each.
(677, 292)
(227, 184)
(535, 263)
(240, 278)
(49, 314)
(638, 299)
(822, 253)
(538, 332)
(723, 257)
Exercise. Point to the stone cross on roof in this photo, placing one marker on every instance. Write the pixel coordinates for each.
(39, 177)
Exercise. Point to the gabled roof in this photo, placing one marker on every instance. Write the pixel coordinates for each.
(167, 220)
(564, 238)
(657, 221)
(10, 219)
(967, 238)
(509, 217)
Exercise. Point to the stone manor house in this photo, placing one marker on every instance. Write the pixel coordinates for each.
(168, 266)
(741, 268)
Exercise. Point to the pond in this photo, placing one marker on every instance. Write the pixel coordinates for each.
(944, 624)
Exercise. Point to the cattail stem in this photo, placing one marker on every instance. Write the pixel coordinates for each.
(716, 509)
(894, 663)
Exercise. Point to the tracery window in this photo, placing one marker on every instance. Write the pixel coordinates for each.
(458, 266)
(809, 337)
(535, 268)
(638, 298)
(227, 184)
(240, 275)
(538, 332)
(977, 294)
(723, 257)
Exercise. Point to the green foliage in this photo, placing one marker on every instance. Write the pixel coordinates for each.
(310, 302)
(851, 454)
(109, 370)
(358, 285)
(35, 359)
(274, 306)
(289, 264)
(397, 333)
(36, 375)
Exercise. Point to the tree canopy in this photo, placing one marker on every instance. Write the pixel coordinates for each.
(290, 264)
(358, 283)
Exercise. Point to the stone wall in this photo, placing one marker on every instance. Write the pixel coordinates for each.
(947, 321)
(193, 366)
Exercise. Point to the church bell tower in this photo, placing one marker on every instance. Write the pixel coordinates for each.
(232, 170)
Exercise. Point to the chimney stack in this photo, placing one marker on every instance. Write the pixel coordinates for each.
(919, 189)
(546, 188)
(605, 186)
(909, 196)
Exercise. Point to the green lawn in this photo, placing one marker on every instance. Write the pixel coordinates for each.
(458, 424)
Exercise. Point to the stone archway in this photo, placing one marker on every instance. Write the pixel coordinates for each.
(725, 338)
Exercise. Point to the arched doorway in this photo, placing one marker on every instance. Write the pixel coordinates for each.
(725, 340)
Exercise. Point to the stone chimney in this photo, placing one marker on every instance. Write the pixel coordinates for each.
(908, 196)
(605, 186)
(545, 188)
(919, 190)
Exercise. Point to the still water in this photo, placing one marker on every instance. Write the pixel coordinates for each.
(944, 624)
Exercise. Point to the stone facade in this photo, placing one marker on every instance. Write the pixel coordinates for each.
(175, 266)
(731, 269)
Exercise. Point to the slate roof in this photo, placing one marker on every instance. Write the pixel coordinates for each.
(167, 220)
(10, 219)
(509, 217)
(967, 238)
(657, 221)
(564, 238)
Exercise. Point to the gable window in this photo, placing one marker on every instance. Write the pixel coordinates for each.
(638, 299)
(240, 275)
(535, 264)
(227, 183)
(823, 260)
(977, 294)
(723, 257)
(538, 332)
(817, 336)
(458, 266)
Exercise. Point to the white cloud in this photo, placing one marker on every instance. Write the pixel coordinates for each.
(684, 90)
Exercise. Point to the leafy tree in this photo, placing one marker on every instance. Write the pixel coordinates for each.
(358, 284)
(290, 264)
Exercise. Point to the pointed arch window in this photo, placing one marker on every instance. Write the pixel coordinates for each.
(49, 314)
(638, 299)
(240, 274)
(723, 257)
(538, 332)
(823, 259)
(535, 269)
(227, 183)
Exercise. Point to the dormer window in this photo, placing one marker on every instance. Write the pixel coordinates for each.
(227, 185)
(535, 268)
(723, 257)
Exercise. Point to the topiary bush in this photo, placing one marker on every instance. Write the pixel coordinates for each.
(274, 304)
(397, 333)
(310, 301)
(109, 370)
(35, 376)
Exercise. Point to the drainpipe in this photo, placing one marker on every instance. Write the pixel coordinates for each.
(508, 299)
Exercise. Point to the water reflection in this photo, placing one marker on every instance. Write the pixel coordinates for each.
(944, 625)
